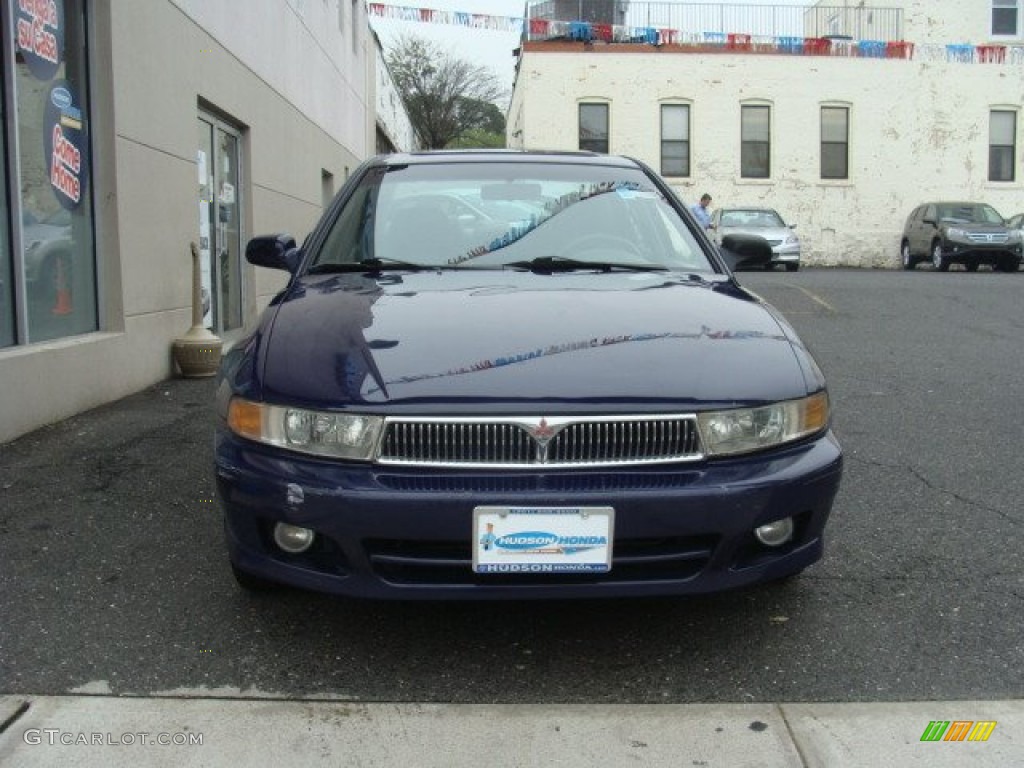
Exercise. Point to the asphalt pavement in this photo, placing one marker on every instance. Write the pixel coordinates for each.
(103, 517)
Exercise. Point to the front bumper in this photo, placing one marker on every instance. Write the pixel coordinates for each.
(406, 534)
(980, 253)
(786, 254)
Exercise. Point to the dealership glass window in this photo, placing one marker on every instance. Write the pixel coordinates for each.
(835, 142)
(7, 334)
(1005, 17)
(594, 127)
(755, 142)
(50, 287)
(675, 140)
(1002, 132)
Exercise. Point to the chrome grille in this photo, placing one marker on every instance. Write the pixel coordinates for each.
(456, 442)
(547, 441)
(995, 238)
(623, 442)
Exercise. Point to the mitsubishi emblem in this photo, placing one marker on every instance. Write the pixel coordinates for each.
(543, 432)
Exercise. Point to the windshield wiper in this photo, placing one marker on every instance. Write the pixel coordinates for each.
(364, 266)
(550, 264)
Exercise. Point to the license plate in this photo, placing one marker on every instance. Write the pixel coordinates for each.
(542, 539)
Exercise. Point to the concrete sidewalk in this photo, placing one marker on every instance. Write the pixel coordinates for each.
(122, 731)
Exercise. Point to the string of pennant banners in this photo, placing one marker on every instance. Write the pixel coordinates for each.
(456, 18)
(615, 33)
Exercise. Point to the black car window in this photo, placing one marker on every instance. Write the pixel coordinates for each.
(350, 239)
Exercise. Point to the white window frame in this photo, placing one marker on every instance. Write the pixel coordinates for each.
(1012, 113)
(687, 141)
(1013, 5)
(744, 140)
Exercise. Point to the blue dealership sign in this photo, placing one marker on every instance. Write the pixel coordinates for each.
(40, 35)
(64, 143)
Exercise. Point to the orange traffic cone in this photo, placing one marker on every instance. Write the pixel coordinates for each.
(63, 304)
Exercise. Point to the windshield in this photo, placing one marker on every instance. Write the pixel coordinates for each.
(970, 213)
(489, 215)
(751, 218)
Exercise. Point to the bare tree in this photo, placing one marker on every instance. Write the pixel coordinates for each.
(446, 97)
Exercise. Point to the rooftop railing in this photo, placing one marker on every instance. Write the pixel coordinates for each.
(690, 20)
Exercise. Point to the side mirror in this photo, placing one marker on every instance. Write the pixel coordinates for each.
(745, 252)
(274, 252)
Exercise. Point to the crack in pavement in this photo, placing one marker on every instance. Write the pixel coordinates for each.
(933, 487)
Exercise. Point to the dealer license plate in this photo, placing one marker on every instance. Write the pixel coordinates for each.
(542, 539)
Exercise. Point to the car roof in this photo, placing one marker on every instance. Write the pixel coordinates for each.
(442, 156)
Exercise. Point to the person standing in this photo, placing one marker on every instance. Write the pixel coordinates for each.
(701, 211)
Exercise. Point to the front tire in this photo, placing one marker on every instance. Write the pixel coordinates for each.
(792, 266)
(906, 258)
(939, 260)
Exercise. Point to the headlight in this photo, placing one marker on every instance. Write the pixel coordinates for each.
(790, 240)
(956, 232)
(1013, 236)
(743, 430)
(340, 435)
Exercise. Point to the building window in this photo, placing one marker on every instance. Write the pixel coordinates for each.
(835, 142)
(221, 246)
(1002, 133)
(1004, 17)
(47, 256)
(675, 140)
(594, 127)
(354, 20)
(755, 142)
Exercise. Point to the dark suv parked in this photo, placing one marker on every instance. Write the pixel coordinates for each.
(964, 233)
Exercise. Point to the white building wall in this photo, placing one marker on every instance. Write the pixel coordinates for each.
(928, 21)
(392, 117)
(312, 53)
(919, 130)
(949, 21)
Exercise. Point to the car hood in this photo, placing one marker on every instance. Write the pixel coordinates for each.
(972, 226)
(768, 233)
(481, 338)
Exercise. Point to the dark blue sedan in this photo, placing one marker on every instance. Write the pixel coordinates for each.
(519, 375)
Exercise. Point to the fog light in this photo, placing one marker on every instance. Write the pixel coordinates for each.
(293, 539)
(775, 534)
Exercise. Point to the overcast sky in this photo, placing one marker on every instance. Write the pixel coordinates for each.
(482, 46)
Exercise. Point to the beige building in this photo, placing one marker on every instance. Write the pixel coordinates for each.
(133, 129)
(844, 136)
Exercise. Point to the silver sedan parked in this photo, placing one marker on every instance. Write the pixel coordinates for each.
(764, 222)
